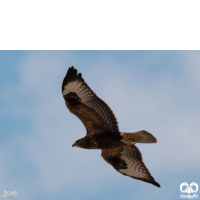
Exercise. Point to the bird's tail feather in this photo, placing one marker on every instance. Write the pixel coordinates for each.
(139, 137)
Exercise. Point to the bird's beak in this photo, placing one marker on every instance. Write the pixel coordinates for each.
(73, 145)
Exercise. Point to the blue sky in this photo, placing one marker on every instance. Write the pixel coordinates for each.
(157, 91)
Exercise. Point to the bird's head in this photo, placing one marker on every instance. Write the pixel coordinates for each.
(82, 143)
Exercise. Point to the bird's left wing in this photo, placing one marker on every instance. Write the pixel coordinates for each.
(94, 113)
(128, 161)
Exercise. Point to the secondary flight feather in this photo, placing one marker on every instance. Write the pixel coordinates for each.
(118, 148)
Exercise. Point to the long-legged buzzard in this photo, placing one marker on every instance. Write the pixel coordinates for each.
(118, 148)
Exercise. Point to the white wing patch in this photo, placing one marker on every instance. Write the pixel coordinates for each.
(135, 168)
(79, 88)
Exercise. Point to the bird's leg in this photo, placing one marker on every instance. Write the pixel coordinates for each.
(127, 142)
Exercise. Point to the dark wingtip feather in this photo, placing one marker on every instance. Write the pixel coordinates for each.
(155, 183)
(71, 75)
(152, 181)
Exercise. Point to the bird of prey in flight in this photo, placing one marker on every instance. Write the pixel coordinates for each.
(118, 148)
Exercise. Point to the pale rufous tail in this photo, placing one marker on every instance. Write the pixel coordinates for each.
(139, 137)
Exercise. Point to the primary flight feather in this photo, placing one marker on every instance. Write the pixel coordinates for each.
(117, 147)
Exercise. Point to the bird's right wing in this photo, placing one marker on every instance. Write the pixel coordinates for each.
(94, 113)
(128, 161)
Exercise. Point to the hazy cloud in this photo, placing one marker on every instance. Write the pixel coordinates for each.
(163, 102)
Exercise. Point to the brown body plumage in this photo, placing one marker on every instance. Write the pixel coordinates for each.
(118, 148)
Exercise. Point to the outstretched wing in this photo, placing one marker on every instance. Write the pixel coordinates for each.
(94, 113)
(128, 161)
